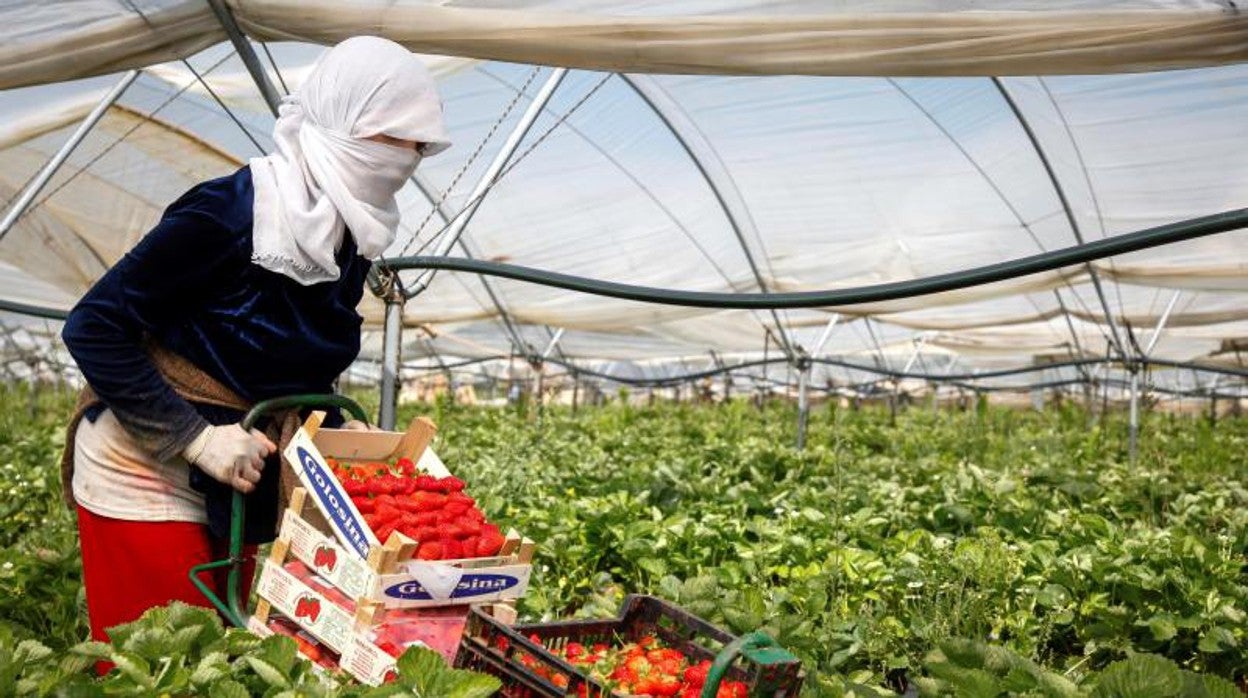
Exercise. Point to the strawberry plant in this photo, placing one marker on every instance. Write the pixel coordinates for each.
(866, 554)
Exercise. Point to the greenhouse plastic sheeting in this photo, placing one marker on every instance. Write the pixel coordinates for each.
(699, 182)
(51, 41)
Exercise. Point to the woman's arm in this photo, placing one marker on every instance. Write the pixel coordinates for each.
(164, 279)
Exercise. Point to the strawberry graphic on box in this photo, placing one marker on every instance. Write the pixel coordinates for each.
(308, 607)
(325, 558)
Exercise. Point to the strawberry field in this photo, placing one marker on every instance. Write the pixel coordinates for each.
(982, 552)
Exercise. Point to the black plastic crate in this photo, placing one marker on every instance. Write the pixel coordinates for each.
(494, 648)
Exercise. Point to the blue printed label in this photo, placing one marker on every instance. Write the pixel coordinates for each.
(334, 501)
(470, 585)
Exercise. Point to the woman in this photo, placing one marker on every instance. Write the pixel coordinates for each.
(245, 290)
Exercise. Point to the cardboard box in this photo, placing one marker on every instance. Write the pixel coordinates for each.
(358, 596)
(391, 578)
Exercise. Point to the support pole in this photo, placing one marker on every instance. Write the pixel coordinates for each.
(1133, 436)
(803, 400)
(451, 236)
(41, 179)
(250, 60)
(391, 343)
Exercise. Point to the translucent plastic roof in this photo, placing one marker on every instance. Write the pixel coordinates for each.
(708, 181)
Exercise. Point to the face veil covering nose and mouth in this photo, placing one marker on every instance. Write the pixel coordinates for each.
(325, 179)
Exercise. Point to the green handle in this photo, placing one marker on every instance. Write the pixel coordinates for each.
(234, 610)
(757, 646)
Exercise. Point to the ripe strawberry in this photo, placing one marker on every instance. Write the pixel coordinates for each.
(696, 674)
(428, 501)
(468, 526)
(451, 549)
(384, 531)
(459, 502)
(431, 550)
(388, 512)
(426, 483)
(475, 514)
(451, 484)
(644, 686)
(424, 534)
(574, 650)
(732, 689)
(427, 518)
(470, 545)
(364, 505)
(405, 466)
(447, 530)
(491, 541)
(355, 488)
(665, 685)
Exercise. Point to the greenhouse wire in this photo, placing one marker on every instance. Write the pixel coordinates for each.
(849, 365)
(440, 207)
(248, 55)
(706, 159)
(992, 184)
(1000, 271)
(497, 169)
(1087, 176)
(474, 201)
(1065, 203)
(23, 197)
(233, 117)
(107, 149)
(1125, 243)
(649, 193)
(436, 204)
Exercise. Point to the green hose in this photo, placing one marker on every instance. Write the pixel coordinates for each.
(757, 646)
(235, 609)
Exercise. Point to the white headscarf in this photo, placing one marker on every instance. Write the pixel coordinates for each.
(325, 178)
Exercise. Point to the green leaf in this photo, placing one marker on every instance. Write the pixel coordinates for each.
(1053, 596)
(426, 671)
(1162, 628)
(229, 688)
(1206, 686)
(1216, 640)
(1140, 676)
(149, 643)
(267, 672)
(133, 667)
(31, 652)
(279, 651)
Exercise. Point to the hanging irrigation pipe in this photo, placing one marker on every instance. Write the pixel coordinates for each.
(957, 379)
(1001, 271)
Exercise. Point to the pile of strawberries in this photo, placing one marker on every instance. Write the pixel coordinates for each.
(643, 668)
(433, 511)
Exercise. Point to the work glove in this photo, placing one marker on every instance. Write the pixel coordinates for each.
(231, 454)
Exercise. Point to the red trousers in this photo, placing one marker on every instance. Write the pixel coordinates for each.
(131, 566)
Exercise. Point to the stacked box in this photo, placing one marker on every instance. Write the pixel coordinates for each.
(364, 601)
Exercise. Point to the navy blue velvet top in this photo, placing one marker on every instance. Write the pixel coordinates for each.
(191, 286)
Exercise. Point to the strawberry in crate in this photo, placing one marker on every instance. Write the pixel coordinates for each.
(642, 668)
(434, 511)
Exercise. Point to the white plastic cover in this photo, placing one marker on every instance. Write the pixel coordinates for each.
(706, 182)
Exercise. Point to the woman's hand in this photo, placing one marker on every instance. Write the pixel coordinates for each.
(357, 425)
(231, 455)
